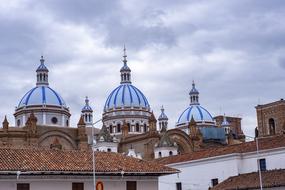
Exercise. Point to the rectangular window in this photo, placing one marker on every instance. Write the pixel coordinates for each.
(23, 186)
(215, 182)
(262, 164)
(179, 186)
(131, 185)
(77, 186)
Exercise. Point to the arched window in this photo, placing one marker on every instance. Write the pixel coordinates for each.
(129, 127)
(119, 128)
(44, 77)
(137, 127)
(111, 129)
(108, 150)
(41, 76)
(125, 77)
(128, 77)
(159, 154)
(86, 119)
(144, 128)
(271, 126)
(170, 153)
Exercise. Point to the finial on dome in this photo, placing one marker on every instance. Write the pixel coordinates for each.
(125, 70)
(162, 109)
(125, 56)
(86, 101)
(42, 59)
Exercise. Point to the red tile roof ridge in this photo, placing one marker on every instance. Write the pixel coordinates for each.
(264, 143)
(76, 161)
(270, 178)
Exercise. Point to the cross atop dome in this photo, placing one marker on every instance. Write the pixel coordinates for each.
(42, 73)
(194, 95)
(125, 70)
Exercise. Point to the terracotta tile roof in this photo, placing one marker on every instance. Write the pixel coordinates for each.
(263, 143)
(273, 178)
(35, 160)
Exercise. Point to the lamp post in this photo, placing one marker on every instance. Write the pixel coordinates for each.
(93, 153)
(258, 161)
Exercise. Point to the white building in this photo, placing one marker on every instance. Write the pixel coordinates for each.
(34, 169)
(204, 169)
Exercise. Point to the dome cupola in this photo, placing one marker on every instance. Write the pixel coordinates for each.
(194, 95)
(42, 73)
(162, 120)
(87, 113)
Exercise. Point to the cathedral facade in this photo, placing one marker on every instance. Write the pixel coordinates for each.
(128, 124)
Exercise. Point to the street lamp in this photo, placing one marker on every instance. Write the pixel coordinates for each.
(93, 152)
(258, 162)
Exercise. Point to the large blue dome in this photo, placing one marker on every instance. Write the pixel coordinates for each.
(126, 95)
(41, 95)
(199, 114)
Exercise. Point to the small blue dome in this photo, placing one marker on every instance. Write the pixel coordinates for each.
(41, 95)
(199, 114)
(126, 95)
(87, 107)
(162, 116)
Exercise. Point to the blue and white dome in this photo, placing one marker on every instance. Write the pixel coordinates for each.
(42, 95)
(199, 114)
(126, 95)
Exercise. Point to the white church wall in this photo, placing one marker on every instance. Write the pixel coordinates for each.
(198, 174)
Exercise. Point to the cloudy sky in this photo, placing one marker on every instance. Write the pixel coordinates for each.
(234, 50)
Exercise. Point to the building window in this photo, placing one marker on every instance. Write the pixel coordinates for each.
(137, 127)
(179, 186)
(170, 153)
(67, 123)
(215, 182)
(119, 128)
(271, 126)
(23, 186)
(129, 127)
(18, 122)
(111, 129)
(159, 154)
(131, 185)
(109, 150)
(77, 186)
(144, 128)
(54, 120)
(262, 164)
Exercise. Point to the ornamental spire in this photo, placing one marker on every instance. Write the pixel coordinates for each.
(42, 73)
(125, 70)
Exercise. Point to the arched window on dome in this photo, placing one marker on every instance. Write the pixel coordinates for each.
(125, 77)
(128, 77)
(137, 127)
(86, 119)
(44, 77)
(41, 77)
(271, 126)
(119, 128)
